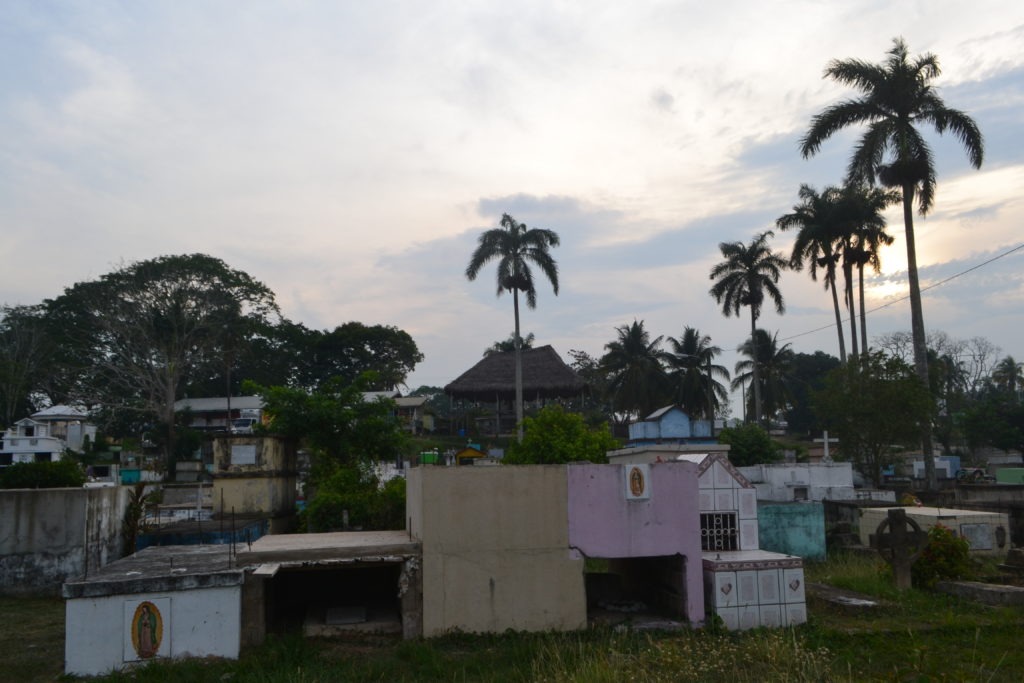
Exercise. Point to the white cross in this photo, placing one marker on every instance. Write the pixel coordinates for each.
(826, 441)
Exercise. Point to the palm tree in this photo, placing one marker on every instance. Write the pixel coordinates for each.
(897, 95)
(770, 365)
(867, 205)
(742, 279)
(817, 220)
(637, 379)
(509, 345)
(692, 374)
(1008, 375)
(515, 246)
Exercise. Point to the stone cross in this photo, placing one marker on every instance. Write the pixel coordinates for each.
(826, 441)
(899, 545)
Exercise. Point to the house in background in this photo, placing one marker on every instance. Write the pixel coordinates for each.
(669, 425)
(412, 415)
(45, 435)
(212, 414)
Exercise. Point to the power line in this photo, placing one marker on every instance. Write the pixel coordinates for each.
(904, 298)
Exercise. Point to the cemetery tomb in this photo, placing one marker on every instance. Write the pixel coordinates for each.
(334, 583)
(987, 532)
(744, 585)
(163, 602)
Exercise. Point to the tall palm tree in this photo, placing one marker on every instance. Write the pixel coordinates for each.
(633, 361)
(817, 220)
(1009, 375)
(692, 373)
(867, 204)
(896, 96)
(742, 279)
(515, 247)
(769, 364)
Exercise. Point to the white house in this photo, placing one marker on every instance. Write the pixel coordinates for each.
(45, 435)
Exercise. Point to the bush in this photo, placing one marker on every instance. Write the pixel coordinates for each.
(555, 436)
(370, 504)
(749, 445)
(947, 556)
(42, 475)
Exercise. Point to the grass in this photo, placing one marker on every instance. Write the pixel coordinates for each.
(31, 638)
(917, 635)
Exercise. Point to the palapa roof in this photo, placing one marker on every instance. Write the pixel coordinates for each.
(545, 375)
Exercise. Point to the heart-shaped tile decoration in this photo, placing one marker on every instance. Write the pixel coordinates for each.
(794, 584)
(726, 589)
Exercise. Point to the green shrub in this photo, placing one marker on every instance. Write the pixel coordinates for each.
(370, 504)
(749, 445)
(554, 436)
(947, 556)
(42, 475)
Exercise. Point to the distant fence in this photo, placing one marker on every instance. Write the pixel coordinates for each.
(49, 535)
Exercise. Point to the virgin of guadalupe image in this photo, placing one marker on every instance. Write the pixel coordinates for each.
(147, 630)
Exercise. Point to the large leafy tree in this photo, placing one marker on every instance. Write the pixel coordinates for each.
(807, 375)
(692, 373)
(748, 275)
(351, 349)
(26, 352)
(818, 221)
(896, 97)
(768, 366)
(515, 247)
(873, 403)
(136, 335)
(633, 361)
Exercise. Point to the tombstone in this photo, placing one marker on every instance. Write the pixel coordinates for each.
(898, 545)
(825, 441)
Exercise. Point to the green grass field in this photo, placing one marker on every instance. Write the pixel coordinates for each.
(915, 636)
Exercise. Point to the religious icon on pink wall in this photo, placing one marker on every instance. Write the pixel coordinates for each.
(147, 630)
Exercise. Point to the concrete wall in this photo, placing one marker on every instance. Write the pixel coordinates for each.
(48, 535)
(496, 549)
(796, 529)
(604, 523)
(199, 623)
(266, 486)
(980, 527)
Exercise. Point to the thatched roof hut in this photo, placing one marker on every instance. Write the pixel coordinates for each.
(545, 375)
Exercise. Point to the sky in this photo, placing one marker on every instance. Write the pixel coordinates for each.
(349, 154)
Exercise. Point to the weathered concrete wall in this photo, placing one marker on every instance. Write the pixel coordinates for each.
(980, 527)
(263, 484)
(198, 623)
(48, 535)
(1006, 498)
(496, 549)
(604, 523)
(796, 529)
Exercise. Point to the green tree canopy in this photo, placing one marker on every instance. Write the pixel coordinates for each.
(334, 421)
(750, 445)
(873, 404)
(136, 335)
(556, 436)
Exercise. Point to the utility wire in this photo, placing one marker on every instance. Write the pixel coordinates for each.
(904, 298)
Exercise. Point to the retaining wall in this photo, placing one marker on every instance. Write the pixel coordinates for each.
(49, 535)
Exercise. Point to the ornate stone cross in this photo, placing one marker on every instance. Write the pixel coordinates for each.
(899, 545)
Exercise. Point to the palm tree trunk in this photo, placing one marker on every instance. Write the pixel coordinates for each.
(863, 313)
(917, 330)
(519, 370)
(757, 374)
(850, 306)
(839, 316)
